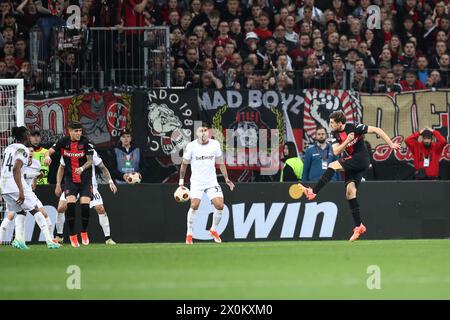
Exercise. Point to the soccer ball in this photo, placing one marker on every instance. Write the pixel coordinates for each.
(181, 194)
(134, 177)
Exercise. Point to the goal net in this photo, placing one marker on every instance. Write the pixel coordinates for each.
(11, 114)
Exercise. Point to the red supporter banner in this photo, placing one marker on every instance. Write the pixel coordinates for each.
(103, 116)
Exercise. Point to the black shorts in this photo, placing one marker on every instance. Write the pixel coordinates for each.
(354, 166)
(75, 189)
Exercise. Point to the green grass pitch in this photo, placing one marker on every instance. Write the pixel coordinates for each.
(410, 269)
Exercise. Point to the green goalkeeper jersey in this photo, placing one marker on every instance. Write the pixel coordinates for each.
(39, 154)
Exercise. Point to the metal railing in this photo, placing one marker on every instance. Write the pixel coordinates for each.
(101, 58)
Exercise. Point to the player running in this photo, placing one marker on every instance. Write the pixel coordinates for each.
(16, 192)
(96, 202)
(77, 153)
(203, 153)
(348, 140)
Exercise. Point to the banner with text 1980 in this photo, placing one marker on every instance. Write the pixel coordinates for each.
(164, 120)
(103, 116)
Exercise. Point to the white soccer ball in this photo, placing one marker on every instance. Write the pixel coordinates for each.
(134, 177)
(181, 194)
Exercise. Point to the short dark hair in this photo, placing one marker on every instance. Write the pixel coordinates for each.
(75, 125)
(338, 116)
(205, 125)
(427, 134)
(19, 133)
(410, 71)
(321, 128)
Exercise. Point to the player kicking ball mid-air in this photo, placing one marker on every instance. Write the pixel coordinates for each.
(348, 141)
(203, 154)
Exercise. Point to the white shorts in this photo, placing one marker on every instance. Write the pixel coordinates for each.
(30, 203)
(96, 198)
(211, 192)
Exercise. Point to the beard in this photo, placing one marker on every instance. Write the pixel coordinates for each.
(321, 140)
(427, 145)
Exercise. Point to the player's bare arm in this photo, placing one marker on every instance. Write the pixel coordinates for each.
(107, 175)
(383, 136)
(59, 177)
(18, 180)
(86, 165)
(183, 168)
(223, 170)
(339, 148)
(48, 154)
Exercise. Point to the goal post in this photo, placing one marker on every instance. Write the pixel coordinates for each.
(14, 96)
(12, 113)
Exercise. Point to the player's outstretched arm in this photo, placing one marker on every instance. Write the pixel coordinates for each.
(107, 175)
(183, 168)
(59, 177)
(383, 136)
(223, 170)
(48, 154)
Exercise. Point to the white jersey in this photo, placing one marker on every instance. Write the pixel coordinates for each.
(30, 171)
(203, 163)
(96, 160)
(13, 152)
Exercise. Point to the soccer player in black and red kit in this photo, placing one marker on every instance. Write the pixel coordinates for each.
(348, 140)
(76, 151)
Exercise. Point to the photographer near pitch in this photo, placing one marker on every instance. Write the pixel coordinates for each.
(426, 153)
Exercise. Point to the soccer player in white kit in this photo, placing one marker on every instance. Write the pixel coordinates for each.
(32, 172)
(203, 154)
(17, 194)
(96, 202)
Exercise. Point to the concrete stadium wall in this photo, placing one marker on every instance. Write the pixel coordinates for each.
(265, 211)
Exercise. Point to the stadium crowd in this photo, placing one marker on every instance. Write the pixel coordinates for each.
(258, 44)
(251, 44)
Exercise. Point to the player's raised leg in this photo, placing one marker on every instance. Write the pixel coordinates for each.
(354, 207)
(333, 167)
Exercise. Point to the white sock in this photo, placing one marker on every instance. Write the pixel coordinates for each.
(104, 222)
(40, 220)
(60, 219)
(20, 227)
(4, 228)
(49, 225)
(216, 218)
(190, 220)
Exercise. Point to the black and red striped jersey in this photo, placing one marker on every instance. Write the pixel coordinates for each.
(355, 146)
(75, 155)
